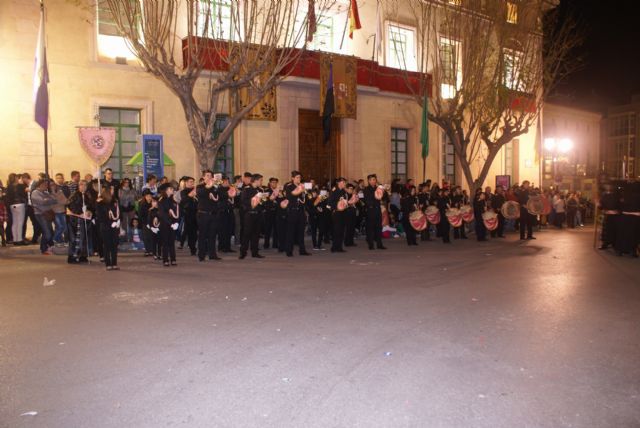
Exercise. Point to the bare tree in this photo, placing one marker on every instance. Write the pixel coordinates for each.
(492, 64)
(250, 44)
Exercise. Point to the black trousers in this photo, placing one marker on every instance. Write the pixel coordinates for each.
(409, 231)
(526, 223)
(168, 243)
(109, 245)
(270, 229)
(295, 229)
(374, 227)
(226, 226)
(147, 239)
(499, 231)
(37, 231)
(190, 232)
(207, 234)
(459, 232)
(609, 229)
(443, 228)
(350, 227)
(281, 227)
(313, 227)
(481, 230)
(338, 220)
(252, 226)
(9, 233)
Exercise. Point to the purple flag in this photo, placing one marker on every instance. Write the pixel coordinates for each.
(41, 79)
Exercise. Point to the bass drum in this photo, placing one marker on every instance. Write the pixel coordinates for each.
(490, 220)
(433, 214)
(535, 205)
(418, 221)
(454, 217)
(467, 213)
(510, 210)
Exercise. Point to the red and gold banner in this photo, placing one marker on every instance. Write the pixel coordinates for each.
(266, 108)
(345, 84)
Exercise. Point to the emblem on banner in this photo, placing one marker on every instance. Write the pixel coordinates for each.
(97, 142)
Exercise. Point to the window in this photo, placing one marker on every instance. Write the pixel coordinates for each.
(451, 68)
(399, 144)
(455, 2)
(513, 75)
(401, 52)
(110, 42)
(127, 124)
(224, 158)
(448, 160)
(512, 12)
(217, 16)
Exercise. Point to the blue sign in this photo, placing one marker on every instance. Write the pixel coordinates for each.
(152, 156)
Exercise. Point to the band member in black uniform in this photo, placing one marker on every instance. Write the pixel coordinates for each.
(456, 202)
(252, 200)
(281, 221)
(270, 230)
(526, 219)
(189, 210)
(169, 215)
(154, 225)
(610, 206)
(408, 204)
(497, 201)
(479, 207)
(444, 203)
(423, 203)
(108, 222)
(324, 220)
(79, 213)
(351, 216)
(337, 203)
(144, 205)
(295, 193)
(208, 197)
(226, 216)
(372, 197)
(246, 183)
(312, 205)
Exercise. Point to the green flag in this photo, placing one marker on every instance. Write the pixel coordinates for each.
(424, 134)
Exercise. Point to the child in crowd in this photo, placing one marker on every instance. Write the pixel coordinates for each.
(135, 235)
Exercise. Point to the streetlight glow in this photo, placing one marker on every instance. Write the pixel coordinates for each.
(565, 145)
(549, 144)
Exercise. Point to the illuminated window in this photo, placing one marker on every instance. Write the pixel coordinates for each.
(512, 12)
(401, 48)
(399, 144)
(111, 44)
(217, 17)
(455, 2)
(451, 67)
(513, 76)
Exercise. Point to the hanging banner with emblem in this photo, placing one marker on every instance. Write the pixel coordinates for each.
(345, 84)
(97, 142)
(266, 108)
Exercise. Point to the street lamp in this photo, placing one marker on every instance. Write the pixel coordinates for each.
(555, 147)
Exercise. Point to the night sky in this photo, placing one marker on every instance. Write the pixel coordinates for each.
(610, 54)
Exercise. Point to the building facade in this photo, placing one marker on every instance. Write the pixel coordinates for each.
(95, 80)
(620, 141)
(571, 147)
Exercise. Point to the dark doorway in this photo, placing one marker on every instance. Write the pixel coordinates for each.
(317, 160)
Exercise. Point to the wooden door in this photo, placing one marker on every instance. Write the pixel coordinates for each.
(317, 160)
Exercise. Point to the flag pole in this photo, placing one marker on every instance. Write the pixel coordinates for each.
(46, 129)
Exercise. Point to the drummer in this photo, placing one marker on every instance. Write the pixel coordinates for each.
(408, 204)
(479, 207)
(457, 201)
(497, 201)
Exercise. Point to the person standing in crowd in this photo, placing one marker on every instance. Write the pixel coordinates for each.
(270, 229)
(295, 193)
(110, 182)
(108, 223)
(479, 207)
(372, 197)
(560, 207)
(253, 209)
(154, 226)
(80, 212)
(226, 217)
(62, 185)
(572, 210)
(408, 204)
(126, 199)
(73, 184)
(189, 210)
(169, 216)
(60, 211)
(151, 185)
(246, 183)
(281, 221)
(444, 203)
(312, 205)
(338, 204)
(3, 214)
(457, 202)
(526, 219)
(351, 216)
(496, 204)
(144, 205)
(17, 198)
(208, 197)
(43, 203)
(35, 225)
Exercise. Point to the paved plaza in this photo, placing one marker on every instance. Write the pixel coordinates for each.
(542, 333)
